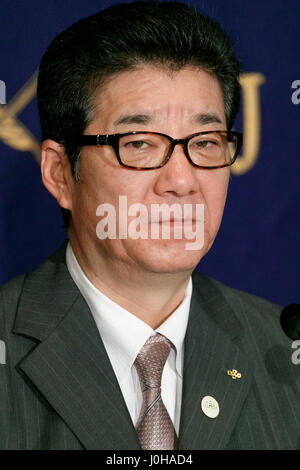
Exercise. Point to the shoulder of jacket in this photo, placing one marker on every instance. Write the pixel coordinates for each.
(245, 305)
(10, 291)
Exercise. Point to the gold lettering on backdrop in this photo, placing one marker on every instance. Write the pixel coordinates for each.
(250, 83)
(12, 132)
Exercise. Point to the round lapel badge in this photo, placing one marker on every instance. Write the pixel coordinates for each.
(210, 406)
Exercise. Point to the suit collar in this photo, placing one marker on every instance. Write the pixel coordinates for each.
(211, 350)
(44, 289)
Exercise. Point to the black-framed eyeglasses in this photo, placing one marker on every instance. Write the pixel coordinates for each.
(145, 150)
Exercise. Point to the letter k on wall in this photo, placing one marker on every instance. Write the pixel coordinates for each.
(12, 132)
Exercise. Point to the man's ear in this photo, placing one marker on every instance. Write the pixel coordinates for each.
(56, 172)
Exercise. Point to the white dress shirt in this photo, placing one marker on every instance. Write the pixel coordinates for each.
(123, 335)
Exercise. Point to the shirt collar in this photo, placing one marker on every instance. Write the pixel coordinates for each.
(174, 327)
(123, 334)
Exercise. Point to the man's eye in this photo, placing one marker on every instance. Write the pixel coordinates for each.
(205, 143)
(137, 144)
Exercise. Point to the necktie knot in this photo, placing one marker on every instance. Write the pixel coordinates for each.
(151, 360)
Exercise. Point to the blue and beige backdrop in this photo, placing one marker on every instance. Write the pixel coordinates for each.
(257, 248)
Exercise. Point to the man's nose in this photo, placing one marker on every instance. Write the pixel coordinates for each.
(178, 175)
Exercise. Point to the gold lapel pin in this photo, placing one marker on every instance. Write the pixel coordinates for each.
(234, 374)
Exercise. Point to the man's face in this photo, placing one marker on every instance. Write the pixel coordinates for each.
(150, 99)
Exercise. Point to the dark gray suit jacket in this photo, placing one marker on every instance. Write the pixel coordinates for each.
(58, 389)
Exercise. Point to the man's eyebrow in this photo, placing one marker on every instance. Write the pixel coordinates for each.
(206, 118)
(133, 119)
(198, 118)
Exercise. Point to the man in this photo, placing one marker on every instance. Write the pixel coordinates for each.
(114, 342)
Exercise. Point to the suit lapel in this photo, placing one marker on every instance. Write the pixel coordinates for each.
(209, 353)
(70, 366)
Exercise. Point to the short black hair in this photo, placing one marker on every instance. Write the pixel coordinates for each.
(121, 38)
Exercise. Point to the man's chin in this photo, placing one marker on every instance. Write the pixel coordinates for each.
(169, 257)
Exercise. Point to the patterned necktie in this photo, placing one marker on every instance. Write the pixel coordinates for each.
(154, 425)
